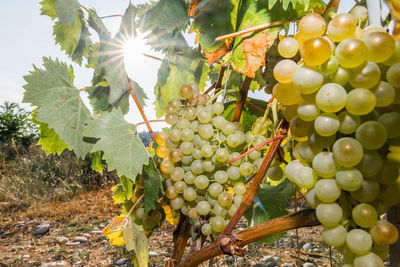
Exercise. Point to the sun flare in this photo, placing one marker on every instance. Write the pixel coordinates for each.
(134, 49)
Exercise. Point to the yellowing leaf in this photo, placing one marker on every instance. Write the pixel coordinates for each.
(115, 237)
(117, 223)
(394, 8)
(170, 216)
(394, 154)
(230, 191)
(137, 241)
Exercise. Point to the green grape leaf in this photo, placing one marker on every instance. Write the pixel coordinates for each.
(83, 47)
(97, 24)
(110, 65)
(271, 205)
(249, 114)
(165, 14)
(128, 26)
(98, 96)
(123, 150)
(214, 18)
(304, 4)
(49, 139)
(48, 9)
(61, 106)
(152, 184)
(139, 92)
(69, 35)
(162, 40)
(93, 55)
(97, 163)
(182, 68)
(123, 191)
(136, 240)
(271, 3)
(66, 10)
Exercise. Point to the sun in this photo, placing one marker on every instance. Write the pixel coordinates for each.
(134, 48)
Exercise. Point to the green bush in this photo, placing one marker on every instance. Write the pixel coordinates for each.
(16, 125)
(32, 176)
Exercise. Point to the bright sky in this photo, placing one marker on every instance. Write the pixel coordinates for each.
(27, 37)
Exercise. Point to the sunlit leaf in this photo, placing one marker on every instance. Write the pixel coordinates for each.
(165, 14)
(48, 8)
(118, 139)
(97, 163)
(49, 139)
(66, 10)
(137, 241)
(61, 106)
(123, 191)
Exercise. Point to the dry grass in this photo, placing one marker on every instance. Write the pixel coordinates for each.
(96, 203)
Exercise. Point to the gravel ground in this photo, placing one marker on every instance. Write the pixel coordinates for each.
(69, 234)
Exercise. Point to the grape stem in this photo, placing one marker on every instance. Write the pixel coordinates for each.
(304, 218)
(251, 193)
(255, 148)
(241, 99)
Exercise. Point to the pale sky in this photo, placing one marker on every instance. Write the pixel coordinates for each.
(27, 37)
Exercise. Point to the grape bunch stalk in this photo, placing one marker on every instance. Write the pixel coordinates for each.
(342, 100)
(205, 175)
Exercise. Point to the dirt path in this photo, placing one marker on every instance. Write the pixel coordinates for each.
(72, 237)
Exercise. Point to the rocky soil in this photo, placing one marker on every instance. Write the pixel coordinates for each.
(69, 234)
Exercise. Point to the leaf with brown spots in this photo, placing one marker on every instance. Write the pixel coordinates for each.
(248, 53)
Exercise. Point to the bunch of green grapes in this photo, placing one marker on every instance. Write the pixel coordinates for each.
(342, 100)
(202, 179)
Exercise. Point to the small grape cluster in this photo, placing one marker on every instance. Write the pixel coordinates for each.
(342, 101)
(203, 176)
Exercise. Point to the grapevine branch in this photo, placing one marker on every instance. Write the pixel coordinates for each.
(131, 91)
(241, 99)
(304, 218)
(181, 236)
(249, 104)
(210, 88)
(219, 80)
(253, 29)
(334, 4)
(251, 193)
(143, 122)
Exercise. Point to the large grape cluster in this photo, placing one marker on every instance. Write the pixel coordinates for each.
(196, 151)
(342, 100)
